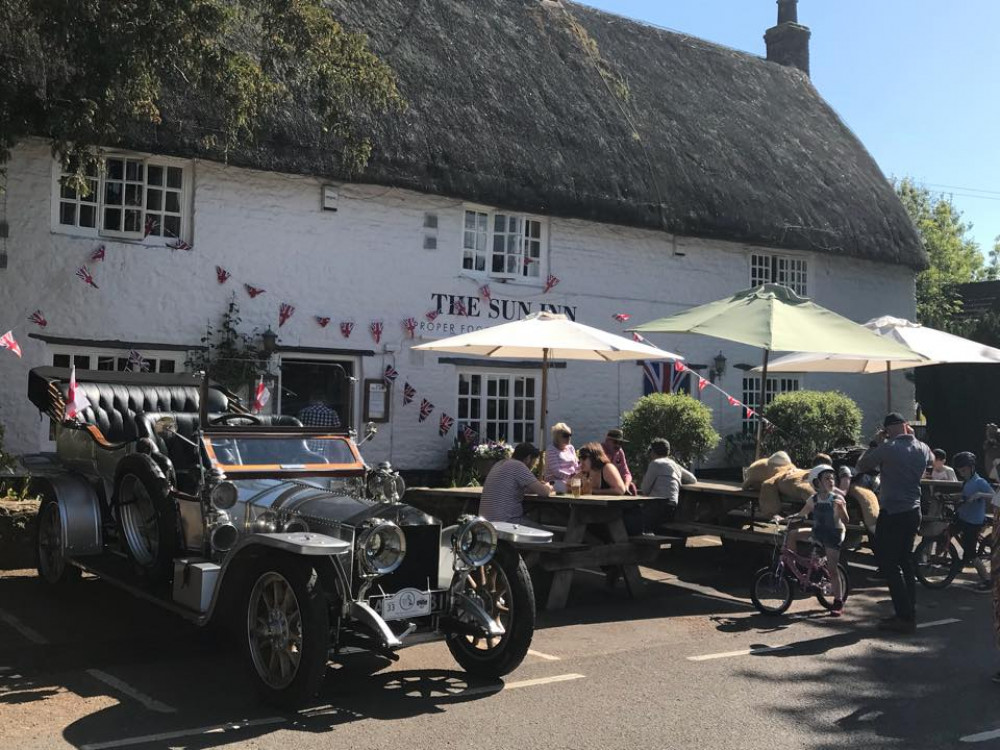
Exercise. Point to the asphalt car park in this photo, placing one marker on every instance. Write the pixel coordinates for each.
(689, 665)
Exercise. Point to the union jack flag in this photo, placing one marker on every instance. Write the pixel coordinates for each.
(7, 342)
(38, 319)
(444, 425)
(460, 308)
(285, 311)
(376, 328)
(426, 407)
(180, 244)
(83, 273)
(98, 255)
(408, 393)
(135, 362)
(661, 377)
(431, 315)
(346, 326)
(222, 274)
(253, 291)
(469, 434)
(485, 293)
(390, 374)
(323, 322)
(550, 282)
(410, 324)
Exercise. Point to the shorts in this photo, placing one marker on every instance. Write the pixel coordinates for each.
(831, 538)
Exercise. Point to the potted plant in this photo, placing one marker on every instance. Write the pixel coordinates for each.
(485, 455)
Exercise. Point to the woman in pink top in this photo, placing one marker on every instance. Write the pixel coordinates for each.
(560, 458)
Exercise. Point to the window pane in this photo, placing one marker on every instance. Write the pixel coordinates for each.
(470, 220)
(65, 191)
(133, 170)
(133, 221)
(113, 193)
(171, 226)
(477, 384)
(476, 411)
(519, 387)
(115, 169)
(173, 202)
(463, 409)
(113, 219)
(154, 175)
(88, 216)
(463, 385)
(105, 363)
(133, 195)
(60, 360)
(67, 214)
(174, 177)
(122, 364)
(480, 263)
(518, 433)
(82, 361)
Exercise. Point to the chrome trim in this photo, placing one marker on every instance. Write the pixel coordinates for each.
(367, 616)
(298, 542)
(513, 532)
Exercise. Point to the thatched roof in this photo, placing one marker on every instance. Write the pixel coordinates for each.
(566, 110)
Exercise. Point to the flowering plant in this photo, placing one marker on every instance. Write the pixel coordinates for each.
(493, 449)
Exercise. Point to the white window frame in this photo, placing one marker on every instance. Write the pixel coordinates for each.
(482, 424)
(479, 242)
(774, 268)
(776, 385)
(148, 191)
(94, 353)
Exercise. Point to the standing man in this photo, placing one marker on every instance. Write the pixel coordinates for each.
(613, 445)
(903, 460)
(318, 413)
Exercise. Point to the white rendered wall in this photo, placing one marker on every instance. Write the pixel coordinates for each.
(367, 261)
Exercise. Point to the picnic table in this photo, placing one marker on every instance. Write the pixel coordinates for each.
(607, 546)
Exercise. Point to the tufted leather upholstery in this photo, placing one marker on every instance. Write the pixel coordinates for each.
(114, 408)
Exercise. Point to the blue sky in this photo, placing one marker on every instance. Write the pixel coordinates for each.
(917, 80)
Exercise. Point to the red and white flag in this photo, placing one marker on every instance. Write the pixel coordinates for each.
(261, 396)
(431, 314)
(485, 293)
(83, 273)
(733, 401)
(180, 244)
(285, 311)
(323, 321)
(7, 342)
(550, 282)
(621, 317)
(702, 383)
(38, 319)
(410, 324)
(222, 274)
(346, 326)
(76, 400)
(376, 328)
(253, 291)
(98, 255)
(750, 412)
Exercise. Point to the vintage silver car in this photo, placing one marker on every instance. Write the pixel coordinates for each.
(168, 488)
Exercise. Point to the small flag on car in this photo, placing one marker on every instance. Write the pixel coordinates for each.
(76, 400)
(261, 395)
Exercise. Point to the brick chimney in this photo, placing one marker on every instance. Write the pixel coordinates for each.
(788, 42)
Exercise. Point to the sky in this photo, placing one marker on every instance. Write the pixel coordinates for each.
(918, 81)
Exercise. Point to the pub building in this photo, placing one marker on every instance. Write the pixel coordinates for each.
(550, 157)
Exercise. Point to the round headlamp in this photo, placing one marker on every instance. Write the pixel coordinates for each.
(224, 495)
(381, 548)
(475, 541)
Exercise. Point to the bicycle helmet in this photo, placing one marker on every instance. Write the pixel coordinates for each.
(818, 471)
(963, 460)
(845, 471)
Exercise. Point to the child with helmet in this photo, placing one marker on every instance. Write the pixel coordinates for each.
(971, 511)
(829, 518)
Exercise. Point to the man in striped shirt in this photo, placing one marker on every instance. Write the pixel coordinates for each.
(508, 482)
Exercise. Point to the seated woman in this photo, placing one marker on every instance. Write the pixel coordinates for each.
(599, 473)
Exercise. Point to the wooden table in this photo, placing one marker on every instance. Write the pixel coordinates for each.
(603, 513)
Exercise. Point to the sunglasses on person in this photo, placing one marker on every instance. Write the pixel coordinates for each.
(566, 434)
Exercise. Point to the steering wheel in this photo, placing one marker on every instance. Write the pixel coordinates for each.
(231, 417)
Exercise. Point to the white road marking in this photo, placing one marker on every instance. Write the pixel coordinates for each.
(743, 652)
(29, 633)
(540, 655)
(123, 687)
(216, 729)
(935, 623)
(981, 737)
(542, 681)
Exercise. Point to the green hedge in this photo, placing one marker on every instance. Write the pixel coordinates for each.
(809, 422)
(684, 421)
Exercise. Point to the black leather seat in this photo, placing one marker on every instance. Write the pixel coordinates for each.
(115, 408)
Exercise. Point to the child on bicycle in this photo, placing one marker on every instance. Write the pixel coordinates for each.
(829, 519)
(971, 511)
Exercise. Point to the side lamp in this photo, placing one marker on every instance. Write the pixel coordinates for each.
(718, 367)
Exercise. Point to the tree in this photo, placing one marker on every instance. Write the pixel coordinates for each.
(86, 73)
(954, 256)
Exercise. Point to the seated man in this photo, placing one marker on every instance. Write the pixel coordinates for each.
(663, 479)
(508, 482)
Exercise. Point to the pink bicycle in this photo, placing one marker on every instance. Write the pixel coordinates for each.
(775, 586)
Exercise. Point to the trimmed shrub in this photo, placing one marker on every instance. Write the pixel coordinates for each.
(809, 422)
(684, 421)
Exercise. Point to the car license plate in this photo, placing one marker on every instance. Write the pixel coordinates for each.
(405, 604)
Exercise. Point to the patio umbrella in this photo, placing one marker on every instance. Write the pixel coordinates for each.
(936, 347)
(546, 336)
(773, 318)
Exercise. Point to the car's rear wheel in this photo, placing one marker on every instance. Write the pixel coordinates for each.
(287, 630)
(147, 517)
(503, 588)
(50, 546)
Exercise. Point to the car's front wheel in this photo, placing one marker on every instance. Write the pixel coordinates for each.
(503, 589)
(50, 546)
(287, 629)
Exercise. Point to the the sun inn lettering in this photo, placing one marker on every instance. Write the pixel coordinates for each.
(495, 308)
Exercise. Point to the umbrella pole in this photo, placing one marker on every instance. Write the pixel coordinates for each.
(760, 404)
(545, 398)
(888, 387)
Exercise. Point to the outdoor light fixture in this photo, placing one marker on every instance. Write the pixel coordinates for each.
(718, 367)
(269, 341)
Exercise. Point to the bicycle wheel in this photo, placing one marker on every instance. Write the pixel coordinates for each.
(771, 591)
(825, 594)
(937, 564)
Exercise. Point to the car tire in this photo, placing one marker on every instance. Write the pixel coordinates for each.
(286, 629)
(146, 517)
(509, 597)
(50, 548)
